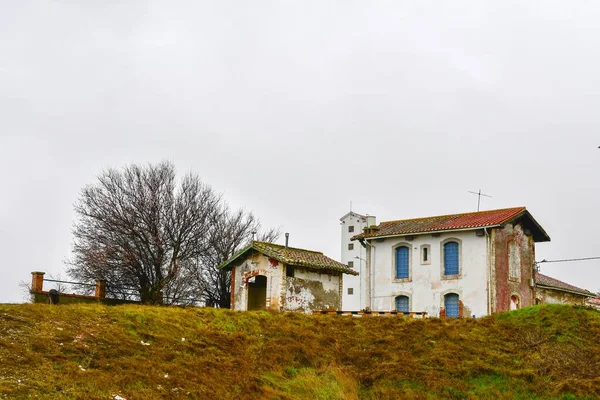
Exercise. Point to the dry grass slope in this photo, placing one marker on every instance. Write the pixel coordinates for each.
(141, 352)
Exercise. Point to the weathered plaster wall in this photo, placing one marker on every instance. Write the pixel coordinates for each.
(504, 240)
(257, 264)
(426, 287)
(551, 296)
(309, 290)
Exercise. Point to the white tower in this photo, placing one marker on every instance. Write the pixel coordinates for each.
(353, 254)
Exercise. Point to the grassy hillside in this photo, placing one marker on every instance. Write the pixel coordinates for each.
(140, 352)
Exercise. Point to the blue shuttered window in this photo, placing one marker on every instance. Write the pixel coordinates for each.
(451, 258)
(402, 303)
(451, 305)
(402, 262)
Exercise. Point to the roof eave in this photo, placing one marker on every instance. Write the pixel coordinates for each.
(424, 232)
(227, 264)
(323, 268)
(353, 213)
(542, 236)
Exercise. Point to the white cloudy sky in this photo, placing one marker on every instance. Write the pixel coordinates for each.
(294, 109)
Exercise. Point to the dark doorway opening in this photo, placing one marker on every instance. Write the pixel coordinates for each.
(257, 293)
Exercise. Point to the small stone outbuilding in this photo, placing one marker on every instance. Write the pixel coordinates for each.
(268, 276)
(549, 290)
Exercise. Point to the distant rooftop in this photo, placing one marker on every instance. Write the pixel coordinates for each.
(547, 281)
(353, 214)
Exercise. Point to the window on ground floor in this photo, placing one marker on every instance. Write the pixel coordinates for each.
(402, 303)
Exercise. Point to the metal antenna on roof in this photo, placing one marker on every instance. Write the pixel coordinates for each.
(479, 194)
(350, 205)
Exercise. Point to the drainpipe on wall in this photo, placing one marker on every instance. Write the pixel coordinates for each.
(367, 304)
(488, 270)
(369, 275)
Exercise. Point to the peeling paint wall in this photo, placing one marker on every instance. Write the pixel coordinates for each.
(305, 292)
(551, 296)
(257, 264)
(426, 287)
(309, 291)
(512, 250)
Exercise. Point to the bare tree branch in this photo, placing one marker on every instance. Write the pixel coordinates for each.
(230, 232)
(155, 240)
(136, 227)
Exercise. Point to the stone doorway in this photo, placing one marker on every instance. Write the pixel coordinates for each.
(257, 293)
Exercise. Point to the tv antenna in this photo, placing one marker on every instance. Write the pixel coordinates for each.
(479, 194)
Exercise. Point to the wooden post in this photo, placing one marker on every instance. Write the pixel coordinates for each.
(37, 281)
(100, 289)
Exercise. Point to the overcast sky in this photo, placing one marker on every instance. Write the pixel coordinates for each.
(294, 109)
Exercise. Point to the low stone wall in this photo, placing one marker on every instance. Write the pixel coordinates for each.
(39, 295)
(69, 298)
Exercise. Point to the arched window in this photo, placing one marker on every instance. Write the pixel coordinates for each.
(402, 261)
(402, 303)
(451, 260)
(451, 305)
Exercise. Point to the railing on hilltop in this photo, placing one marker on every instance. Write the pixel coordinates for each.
(93, 292)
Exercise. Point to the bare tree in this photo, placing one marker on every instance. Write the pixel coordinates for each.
(139, 230)
(229, 233)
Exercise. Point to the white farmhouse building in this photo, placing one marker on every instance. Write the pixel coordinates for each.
(451, 265)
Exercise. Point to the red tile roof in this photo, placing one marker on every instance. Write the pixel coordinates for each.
(450, 222)
(545, 280)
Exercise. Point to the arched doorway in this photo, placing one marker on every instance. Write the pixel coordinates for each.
(452, 305)
(257, 293)
(514, 302)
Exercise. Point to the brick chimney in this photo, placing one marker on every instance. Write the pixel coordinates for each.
(37, 281)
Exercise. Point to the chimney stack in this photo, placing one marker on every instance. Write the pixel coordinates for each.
(371, 224)
(371, 221)
(287, 238)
